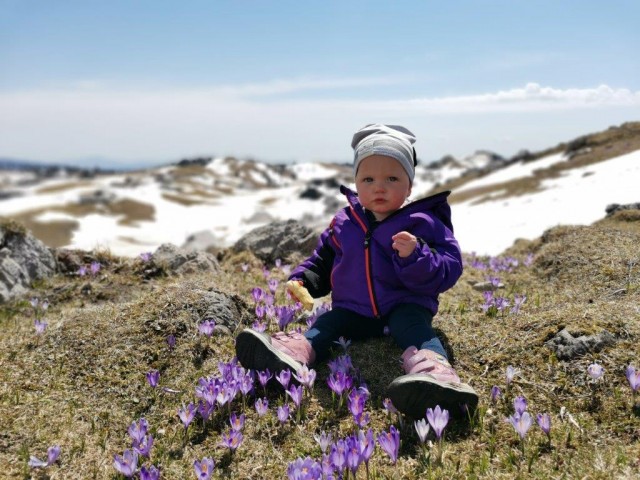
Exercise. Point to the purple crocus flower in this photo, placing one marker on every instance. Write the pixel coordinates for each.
(306, 376)
(357, 399)
(511, 372)
(633, 377)
(262, 406)
(285, 316)
(339, 455)
(521, 423)
(40, 326)
(354, 459)
(273, 284)
(127, 464)
(82, 271)
(264, 376)
(152, 473)
(205, 409)
(389, 407)
(171, 341)
(501, 303)
(244, 267)
(339, 382)
(324, 441)
(304, 469)
(518, 301)
(341, 363)
(237, 422)
(146, 256)
(283, 413)
(438, 419)
(204, 468)
(496, 393)
(489, 301)
(138, 430)
(53, 453)
(595, 371)
(367, 445)
(259, 326)
(207, 327)
(296, 394)
(186, 414)
(144, 446)
(232, 440)
(519, 404)
(34, 301)
(95, 268)
(422, 428)
(258, 294)
(344, 343)
(390, 443)
(544, 422)
(284, 377)
(153, 376)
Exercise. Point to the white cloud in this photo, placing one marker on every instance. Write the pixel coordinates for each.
(532, 97)
(260, 120)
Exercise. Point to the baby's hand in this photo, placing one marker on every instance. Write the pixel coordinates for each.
(404, 243)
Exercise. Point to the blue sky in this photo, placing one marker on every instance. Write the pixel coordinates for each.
(154, 81)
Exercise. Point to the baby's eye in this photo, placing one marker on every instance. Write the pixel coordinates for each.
(367, 179)
(393, 179)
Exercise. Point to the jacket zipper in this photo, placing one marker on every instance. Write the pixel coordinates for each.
(367, 259)
(367, 262)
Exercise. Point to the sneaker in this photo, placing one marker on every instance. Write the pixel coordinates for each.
(258, 351)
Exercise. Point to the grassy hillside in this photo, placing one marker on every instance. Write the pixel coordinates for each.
(81, 382)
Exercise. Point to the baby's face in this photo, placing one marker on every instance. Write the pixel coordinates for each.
(382, 185)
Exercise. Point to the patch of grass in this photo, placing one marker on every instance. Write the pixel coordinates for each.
(82, 383)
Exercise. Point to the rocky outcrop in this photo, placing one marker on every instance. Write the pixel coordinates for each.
(278, 240)
(174, 260)
(616, 207)
(566, 346)
(23, 259)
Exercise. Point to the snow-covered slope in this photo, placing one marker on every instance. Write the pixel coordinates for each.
(137, 211)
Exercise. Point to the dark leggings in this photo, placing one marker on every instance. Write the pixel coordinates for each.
(409, 324)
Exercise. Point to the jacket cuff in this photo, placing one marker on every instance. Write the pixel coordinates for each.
(404, 261)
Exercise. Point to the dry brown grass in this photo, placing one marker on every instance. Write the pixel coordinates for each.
(62, 187)
(83, 382)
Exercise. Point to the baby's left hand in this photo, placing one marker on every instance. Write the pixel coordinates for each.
(404, 243)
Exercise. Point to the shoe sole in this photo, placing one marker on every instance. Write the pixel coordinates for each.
(412, 394)
(256, 352)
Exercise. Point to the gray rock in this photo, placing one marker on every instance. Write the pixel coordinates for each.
(616, 207)
(97, 197)
(566, 346)
(23, 259)
(486, 286)
(204, 240)
(180, 261)
(228, 311)
(278, 240)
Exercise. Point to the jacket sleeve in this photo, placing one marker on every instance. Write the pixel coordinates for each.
(435, 265)
(315, 271)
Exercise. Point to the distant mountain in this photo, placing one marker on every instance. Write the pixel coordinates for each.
(494, 200)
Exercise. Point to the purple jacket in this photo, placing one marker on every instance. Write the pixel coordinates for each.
(354, 259)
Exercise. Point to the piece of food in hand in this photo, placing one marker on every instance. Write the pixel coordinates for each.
(300, 293)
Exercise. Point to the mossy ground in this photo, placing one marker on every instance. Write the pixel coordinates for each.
(82, 382)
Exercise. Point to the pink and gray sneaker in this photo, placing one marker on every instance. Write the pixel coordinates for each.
(282, 351)
(430, 380)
